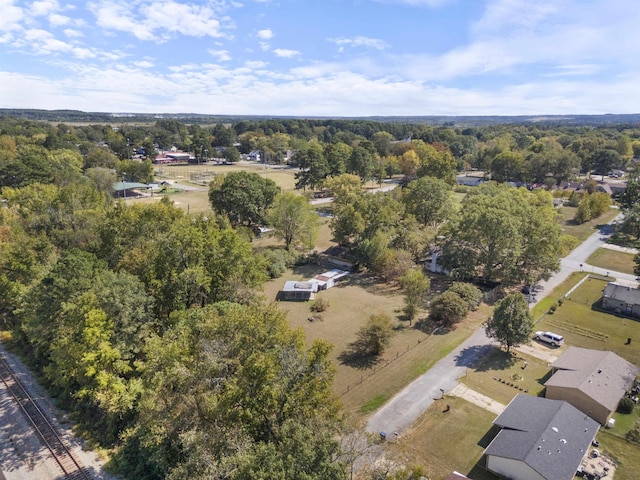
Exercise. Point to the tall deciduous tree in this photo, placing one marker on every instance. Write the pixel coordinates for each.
(294, 220)
(511, 323)
(504, 234)
(243, 196)
(231, 392)
(429, 200)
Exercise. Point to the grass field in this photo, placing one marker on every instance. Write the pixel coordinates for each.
(584, 327)
(364, 384)
(612, 260)
(284, 177)
(446, 441)
(582, 231)
(498, 369)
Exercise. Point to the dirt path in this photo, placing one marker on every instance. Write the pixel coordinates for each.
(22, 455)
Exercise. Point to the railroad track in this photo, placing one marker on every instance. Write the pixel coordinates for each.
(71, 467)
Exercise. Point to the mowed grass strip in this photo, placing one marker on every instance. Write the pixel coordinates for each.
(584, 327)
(501, 375)
(446, 441)
(612, 260)
(584, 230)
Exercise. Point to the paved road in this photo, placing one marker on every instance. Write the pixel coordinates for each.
(403, 409)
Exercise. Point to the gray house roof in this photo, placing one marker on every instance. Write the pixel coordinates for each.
(603, 376)
(622, 293)
(550, 436)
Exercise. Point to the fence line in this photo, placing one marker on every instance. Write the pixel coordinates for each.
(385, 363)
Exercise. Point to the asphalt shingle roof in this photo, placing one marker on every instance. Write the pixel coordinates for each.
(551, 436)
(603, 376)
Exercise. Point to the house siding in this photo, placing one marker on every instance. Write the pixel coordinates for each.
(581, 401)
(510, 468)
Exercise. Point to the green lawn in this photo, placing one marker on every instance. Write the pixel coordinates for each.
(500, 376)
(612, 260)
(581, 326)
(625, 454)
(446, 441)
(583, 231)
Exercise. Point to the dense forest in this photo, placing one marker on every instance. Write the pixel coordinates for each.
(146, 322)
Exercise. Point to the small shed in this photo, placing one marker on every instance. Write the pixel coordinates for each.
(327, 279)
(294, 290)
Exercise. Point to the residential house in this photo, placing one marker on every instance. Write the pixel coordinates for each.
(621, 299)
(327, 280)
(469, 181)
(539, 439)
(593, 381)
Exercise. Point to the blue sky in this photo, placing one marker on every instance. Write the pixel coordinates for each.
(322, 57)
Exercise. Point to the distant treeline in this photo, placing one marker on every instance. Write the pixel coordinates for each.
(626, 120)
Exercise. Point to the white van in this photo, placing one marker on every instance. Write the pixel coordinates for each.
(550, 338)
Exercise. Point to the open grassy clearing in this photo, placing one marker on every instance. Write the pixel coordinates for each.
(500, 375)
(612, 260)
(584, 327)
(191, 201)
(446, 441)
(583, 231)
(284, 177)
(542, 307)
(365, 383)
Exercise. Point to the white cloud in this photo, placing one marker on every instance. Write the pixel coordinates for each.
(59, 20)
(265, 34)
(264, 46)
(286, 53)
(12, 15)
(72, 33)
(222, 55)
(360, 41)
(158, 19)
(43, 7)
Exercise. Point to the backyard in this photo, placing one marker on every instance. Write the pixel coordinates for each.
(366, 383)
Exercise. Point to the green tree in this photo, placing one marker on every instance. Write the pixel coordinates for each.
(429, 200)
(231, 155)
(604, 160)
(361, 163)
(375, 335)
(243, 196)
(337, 156)
(312, 164)
(503, 233)
(415, 284)
(294, 220)
(511, 323)
(448, 308)
(230, 391)
(636, 268)
(507, 167)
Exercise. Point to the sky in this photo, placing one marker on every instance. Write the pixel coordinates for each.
(338, 58)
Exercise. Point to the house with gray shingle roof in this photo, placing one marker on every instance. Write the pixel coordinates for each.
(593, 381)
(539, 439)
(621, 299)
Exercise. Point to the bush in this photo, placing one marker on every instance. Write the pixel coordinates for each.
(278, 261)
(552, 309)
(448, 308)
(320, 305)
(469, 293)
(625, 406)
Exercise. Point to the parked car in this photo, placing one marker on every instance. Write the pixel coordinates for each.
(550, 338)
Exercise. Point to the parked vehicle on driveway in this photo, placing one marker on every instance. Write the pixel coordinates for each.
(550, 338)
